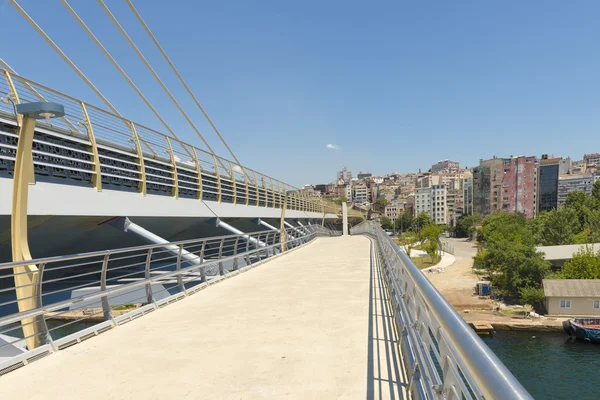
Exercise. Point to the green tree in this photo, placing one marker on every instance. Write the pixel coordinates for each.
(596, 190)
(381, 202)
(421, 220)
(532, 295)
(513, 265)
(557, 227)
(465, 225)
(386, 223)
(503, 226)
(579, 202)
(340, 200)
(404, 221)
(429, 236)
(585, 264)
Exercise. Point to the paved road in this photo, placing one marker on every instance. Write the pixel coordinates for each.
(312, 324)
(457, 282)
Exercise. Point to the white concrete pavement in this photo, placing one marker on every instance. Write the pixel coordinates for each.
(312, 324)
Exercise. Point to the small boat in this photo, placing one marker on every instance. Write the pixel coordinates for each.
(583, 329)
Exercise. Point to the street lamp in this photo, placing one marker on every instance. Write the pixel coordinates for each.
(26, 276)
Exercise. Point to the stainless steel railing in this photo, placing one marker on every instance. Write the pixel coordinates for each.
(442, 355)
(85, 292)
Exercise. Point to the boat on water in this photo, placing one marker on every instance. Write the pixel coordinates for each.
(583, 329)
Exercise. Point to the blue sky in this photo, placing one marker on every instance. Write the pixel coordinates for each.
(396, 85)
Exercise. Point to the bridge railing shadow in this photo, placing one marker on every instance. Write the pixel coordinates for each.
(386, 378)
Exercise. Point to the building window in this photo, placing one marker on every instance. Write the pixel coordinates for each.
(565, 304)
(596, 303)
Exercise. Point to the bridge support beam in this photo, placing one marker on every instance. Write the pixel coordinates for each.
(266, 225)
(125, 224)
(226, 226)
(27, 278)
(303, 227)
(293, 227)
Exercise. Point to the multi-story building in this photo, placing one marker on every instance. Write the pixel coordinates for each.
(364, 175)
(468, 194)
(564, 166)
(433, 200)
(548, 171)
(394, 209)
(572, 183)
(445, 166)
(518, 185)
(487, 184)
(505, 184)
(592, 159)
(344, 175)
(357, 193)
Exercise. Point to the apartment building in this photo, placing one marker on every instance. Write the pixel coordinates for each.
(433, 200)
(505, 184)
(571, 183)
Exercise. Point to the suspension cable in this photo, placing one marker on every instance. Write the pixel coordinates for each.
(153, 72)
(37, 94)
(166, 57)
(117, 66)
(63, 55)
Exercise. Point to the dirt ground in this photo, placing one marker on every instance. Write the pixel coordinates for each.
(457, 282)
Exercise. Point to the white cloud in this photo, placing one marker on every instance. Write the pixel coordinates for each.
(333, 146)
(237, 168)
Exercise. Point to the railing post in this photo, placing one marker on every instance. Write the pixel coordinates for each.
(246, 184)
(178, 267)
(256, 188)
(221, 270)
(264, 187)
(149, 295)
(218, 175)
(199, 172)
(97, 177)
(175, 189)
(14, 94)
(105, 303)
(273, 193)
(283, 237)
(140, 154)
(235, 251)
(233, 185)
(258, 249)
(248, 259)
(40, 320)
(202, 269)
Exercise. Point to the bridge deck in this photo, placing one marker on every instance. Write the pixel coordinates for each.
(314, 323)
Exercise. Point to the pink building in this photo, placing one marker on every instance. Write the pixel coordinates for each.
(518, 185)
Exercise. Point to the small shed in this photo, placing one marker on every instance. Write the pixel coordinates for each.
(572, 297)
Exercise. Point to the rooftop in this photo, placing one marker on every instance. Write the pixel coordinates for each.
(571, 287)
(564, 252)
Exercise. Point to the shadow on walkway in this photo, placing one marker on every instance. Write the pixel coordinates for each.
(386, 378)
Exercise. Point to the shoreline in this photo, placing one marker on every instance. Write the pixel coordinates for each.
(508, 323)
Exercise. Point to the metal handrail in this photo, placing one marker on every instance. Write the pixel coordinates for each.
(444, 357)
(159, 259)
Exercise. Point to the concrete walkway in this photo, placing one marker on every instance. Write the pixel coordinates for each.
(312, 324)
